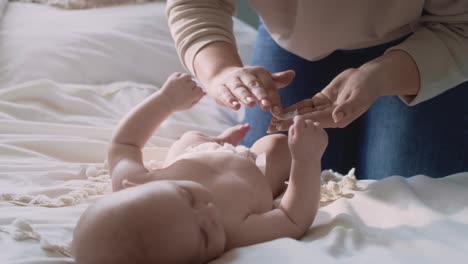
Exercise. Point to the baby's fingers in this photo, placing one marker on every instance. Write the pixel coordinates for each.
(199, 93)
(292, 136)
(278, 125)
(322, 118)
(297, 129)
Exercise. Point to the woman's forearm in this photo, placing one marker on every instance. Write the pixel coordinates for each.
(214, 59)
(398, 73)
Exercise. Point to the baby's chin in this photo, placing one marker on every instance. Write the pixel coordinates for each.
(203, 259)
(185, 256)
(215, 256)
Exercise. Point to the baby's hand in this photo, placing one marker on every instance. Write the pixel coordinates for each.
(181, 91)
(306, 140)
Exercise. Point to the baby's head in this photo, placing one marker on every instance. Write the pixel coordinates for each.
(158, 222)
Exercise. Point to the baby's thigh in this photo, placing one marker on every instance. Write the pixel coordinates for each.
(188, 139)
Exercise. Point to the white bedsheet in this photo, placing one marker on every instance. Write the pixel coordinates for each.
(53, 136)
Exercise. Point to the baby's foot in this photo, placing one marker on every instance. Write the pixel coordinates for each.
(233, 135)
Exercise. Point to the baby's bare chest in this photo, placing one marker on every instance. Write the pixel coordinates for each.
(237, 184)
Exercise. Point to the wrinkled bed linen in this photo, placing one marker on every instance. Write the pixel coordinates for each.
(53, 141)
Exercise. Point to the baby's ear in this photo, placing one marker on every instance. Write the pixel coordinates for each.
(127, 184)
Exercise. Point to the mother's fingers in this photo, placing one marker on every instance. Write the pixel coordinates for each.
(323, 118)
(225, 97)
(238, 88)
(317, 103)
(253, 84)
(273, 98)
(305, 110)
(306, 103)
(349, 110)
(321, 101)
(249, 86)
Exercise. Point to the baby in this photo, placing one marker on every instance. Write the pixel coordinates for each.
(209, 197)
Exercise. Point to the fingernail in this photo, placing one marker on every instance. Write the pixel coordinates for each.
(249, 99)
(265, 102)
(235, 103)
(278, 127)
(276, 110)
(338, 116)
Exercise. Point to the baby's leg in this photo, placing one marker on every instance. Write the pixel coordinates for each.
(278, 160)
(232, 135)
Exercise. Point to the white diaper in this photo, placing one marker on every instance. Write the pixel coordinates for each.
(242, 151)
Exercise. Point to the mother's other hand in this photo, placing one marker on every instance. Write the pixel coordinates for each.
(346, 98)
(353, 91)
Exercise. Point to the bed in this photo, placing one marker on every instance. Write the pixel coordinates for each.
(68, 76)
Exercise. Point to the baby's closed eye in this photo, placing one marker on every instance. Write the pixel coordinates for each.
(204, 235)
(187, 195)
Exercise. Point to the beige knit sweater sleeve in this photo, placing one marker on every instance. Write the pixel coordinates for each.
(439, 46)
(194, 24)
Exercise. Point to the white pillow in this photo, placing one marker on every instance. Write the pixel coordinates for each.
(92, 46)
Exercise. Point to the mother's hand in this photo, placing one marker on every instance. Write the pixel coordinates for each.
(249, 86)
(346, 98)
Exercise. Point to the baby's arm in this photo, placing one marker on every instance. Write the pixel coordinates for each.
(299, 205)
(125, 159)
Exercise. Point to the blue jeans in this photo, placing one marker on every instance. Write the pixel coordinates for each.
(391, 138)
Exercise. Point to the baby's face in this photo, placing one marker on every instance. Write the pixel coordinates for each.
(159, 222)
(188, 222)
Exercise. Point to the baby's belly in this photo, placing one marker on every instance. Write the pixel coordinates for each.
(237, 184)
